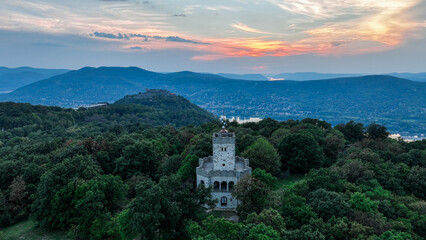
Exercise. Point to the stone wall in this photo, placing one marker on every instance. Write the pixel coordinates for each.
(231, 201)
(223, 157)
(224, 151)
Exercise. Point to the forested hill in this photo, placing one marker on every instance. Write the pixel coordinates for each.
(156, 107)
(396, 102)
(161, 99)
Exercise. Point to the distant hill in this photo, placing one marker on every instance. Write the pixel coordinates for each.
(419, 77)
(251, 77)
(396, 102)
(305, 76)
(13, 78)
(155, 107)
(161, 99)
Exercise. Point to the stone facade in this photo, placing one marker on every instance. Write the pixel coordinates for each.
(222, 170)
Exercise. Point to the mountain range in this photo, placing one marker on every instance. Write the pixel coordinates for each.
(13, 78)
(398, 103)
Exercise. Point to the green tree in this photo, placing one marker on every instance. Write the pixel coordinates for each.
(187, 170)
(355, 171)
(306, 232)
(143, 157)
(251, 193)
(265, 178)
(245, 140)
(54, 180)
(8, 169)
(327, 178)
(352, 131)
(300, 152)
(328, 204)
(376, 131)
(263, 155)
(83, 204)
(261, 231)
(170, 165)
(269, 217)
(363, 203)
(278, 136)
(417, 181)
(19, 199)
(124, 224)
(317, 122)
(222, 229)
(295, 209)
(315, 131)
(5, 217)
(162, 210)
(392, 235)
(200, 145)
(334, 143)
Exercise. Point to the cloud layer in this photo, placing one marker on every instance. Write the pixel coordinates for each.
(226, 28)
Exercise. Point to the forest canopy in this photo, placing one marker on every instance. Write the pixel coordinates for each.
(127, 171)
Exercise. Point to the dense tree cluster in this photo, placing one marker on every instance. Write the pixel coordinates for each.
(130, 180)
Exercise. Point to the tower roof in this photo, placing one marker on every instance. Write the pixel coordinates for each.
(224, 134)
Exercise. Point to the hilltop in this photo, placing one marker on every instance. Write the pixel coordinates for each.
(155, 107)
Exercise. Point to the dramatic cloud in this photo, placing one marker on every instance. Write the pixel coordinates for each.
(226, 29)
(246, 28)
(178, 39)
(110, 35)
(145, 37)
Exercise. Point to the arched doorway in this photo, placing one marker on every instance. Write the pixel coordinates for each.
(231, 186)
(216, 186)
(223, 186)
(223, 201)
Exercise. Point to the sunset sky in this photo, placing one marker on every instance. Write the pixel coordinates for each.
(236, 36)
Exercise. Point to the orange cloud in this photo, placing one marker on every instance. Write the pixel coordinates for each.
(246, 28)
(381, 25)
(253, 48)
(321, 27)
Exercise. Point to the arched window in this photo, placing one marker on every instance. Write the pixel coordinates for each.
(230, 185)
(223, 186)
(223, 201)
(216, 186)
(202, 182)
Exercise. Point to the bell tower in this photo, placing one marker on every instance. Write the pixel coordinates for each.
(224, 149)
(222, 170)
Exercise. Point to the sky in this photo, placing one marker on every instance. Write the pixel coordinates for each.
(228, 36)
